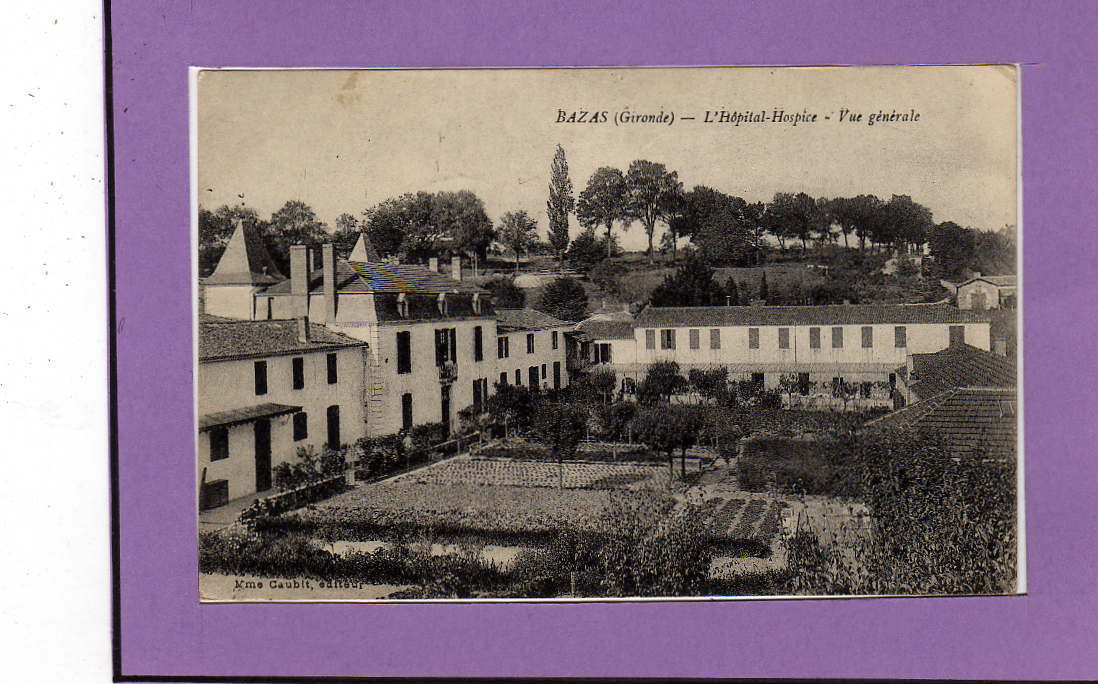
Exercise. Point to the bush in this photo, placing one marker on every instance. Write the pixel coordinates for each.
(378, 456)
(941, 525)
(309, 467)
(796, 466)
(564, 298)
(428, 435)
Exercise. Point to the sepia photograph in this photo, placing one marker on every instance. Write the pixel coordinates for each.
(599, 334)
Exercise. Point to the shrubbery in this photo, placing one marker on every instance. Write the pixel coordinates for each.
(309, 467)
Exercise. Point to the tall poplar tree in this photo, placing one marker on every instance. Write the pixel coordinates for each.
(560, 204)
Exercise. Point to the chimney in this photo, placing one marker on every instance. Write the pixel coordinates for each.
(999, 347)
(302, 328)
(329, 270)
(975, 274)
(299, 279)
(432, 264)
(455, 267)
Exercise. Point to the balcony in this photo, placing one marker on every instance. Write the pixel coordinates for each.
(447, 372)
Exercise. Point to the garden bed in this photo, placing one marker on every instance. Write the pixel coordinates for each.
(481, 471)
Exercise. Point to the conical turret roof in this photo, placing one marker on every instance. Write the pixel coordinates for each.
(245, 261)
(364, 251)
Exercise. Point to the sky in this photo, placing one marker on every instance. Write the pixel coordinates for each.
(343, 141)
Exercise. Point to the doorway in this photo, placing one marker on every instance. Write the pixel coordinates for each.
(333, 427)
(446, 407)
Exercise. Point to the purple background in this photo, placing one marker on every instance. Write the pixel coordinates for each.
(1049, 634)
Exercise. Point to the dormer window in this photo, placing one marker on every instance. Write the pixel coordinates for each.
(442, 306)
(402, 305)
(476, 302)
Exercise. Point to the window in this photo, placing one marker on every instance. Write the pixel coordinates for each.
(333, 427)
(529, 343)
(443, 308)
(814, 338)
(752, 338)
(758, 380)
(219, 443)
(518, 376)
(333, 369)
(404, 352)
(476, 302)
(299, 372)
(836, 338)
(603, 353)
(667, 339)
(649, 339)
(543, 372)
(555, 339)
(402, 305)
(478, 343)
(556, 375)
(260, 377)
(867, 337)
(715, 338)
(901, 336)
(956, 335)
(445, 346)
(503, 378)
(478, 396)
(695, 339)
(503, 347)
(532, 376)
(301, 426)
(406, 411)
(783, 338)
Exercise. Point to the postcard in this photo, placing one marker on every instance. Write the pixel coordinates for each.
(607, 334)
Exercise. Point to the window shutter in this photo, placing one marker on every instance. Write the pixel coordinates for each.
(836, 338)
(901, 336)
(695, 339)
(867, 336)
(649, 339)
(715, 338)
(783, 338)
(814, 338)
(753, 338)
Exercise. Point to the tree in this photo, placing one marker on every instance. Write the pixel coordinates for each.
(518, 232)
(505, 294)
(602, 381)
(602, 202)
(564, 298)
(666, 428)
(711, 384)
(653, 194)
(347, 230)
(717, 224)
(418, 225)
(587, 250)
(295, 223)
(855, 215)
(732, 292)
(692, 284)
(560, 204)
(764, 289)
(910, 222)
(660, 383)
(606, 274)
(795, 216)
(511, 407)
(561, 427)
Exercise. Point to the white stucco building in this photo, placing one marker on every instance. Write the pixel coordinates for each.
(267, 388)
(531, 349)
(851, 342)
(988, 292)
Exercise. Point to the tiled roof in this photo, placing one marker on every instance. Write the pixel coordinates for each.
(363, 276)
(605, 329)
(999, 281)
(970, 421)
(508, 320)
(960, 366)
(245, 261)
(243, 415)
(243, 339)
(835, 314)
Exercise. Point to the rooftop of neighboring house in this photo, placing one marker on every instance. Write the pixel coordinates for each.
(960, 365)
(222, 340)
(606, 328)
(370, 277)
(835, 314)
(970, 421)
(998, 281)
(511, 320)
